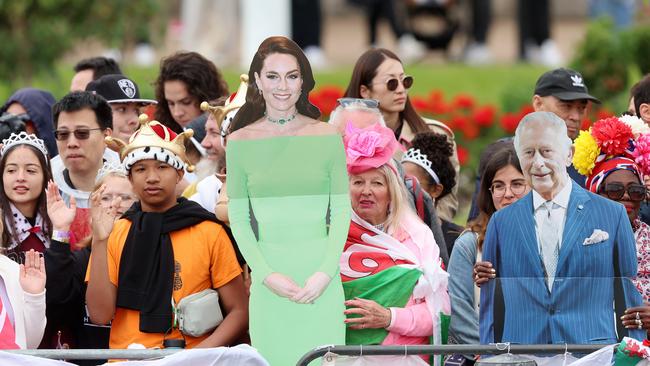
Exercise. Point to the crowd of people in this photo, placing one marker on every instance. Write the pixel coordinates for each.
(217, 219)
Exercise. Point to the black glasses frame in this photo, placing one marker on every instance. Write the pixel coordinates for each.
(616, 191)
(79, 134)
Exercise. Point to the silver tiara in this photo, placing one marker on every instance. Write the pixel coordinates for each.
(108, 168)
(416, 157)
(23, 138)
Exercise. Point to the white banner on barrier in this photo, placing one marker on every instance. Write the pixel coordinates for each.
(223, 356)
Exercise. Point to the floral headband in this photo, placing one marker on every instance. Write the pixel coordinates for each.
(369, 148)
(612, 144)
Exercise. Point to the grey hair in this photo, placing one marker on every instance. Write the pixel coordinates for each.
(545, 119)
(356, 107)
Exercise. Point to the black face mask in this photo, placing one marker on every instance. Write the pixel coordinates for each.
(11, 123)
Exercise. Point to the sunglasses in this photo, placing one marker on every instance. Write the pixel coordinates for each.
(368, 103)
(616, 191)
(392, 84)
(79, 134)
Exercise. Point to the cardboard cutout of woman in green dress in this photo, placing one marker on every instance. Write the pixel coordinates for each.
(287, 170)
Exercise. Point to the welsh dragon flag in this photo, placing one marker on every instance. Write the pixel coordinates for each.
(376, 266)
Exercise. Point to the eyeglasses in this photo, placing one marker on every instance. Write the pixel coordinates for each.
(368, 103)
(616, 191)
(392, 84)
(517, 188)
(79, 134)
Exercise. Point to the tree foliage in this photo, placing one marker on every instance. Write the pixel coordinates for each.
(36, 33)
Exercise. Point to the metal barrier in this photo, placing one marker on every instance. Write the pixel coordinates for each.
(466, 349)
(96, 354)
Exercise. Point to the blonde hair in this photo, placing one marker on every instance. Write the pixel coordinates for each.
(398, 206)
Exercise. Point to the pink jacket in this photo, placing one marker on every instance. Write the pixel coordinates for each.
(413, 323)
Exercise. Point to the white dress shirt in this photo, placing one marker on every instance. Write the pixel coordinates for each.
(558, 212)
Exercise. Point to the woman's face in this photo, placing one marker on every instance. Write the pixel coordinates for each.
(183, 107)
(508, 186)
(118, 194)
(623, 179)
(280, 82)
(389, 101)
(370, 196)
(22, 179)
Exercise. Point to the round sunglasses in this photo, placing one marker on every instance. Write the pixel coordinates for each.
(616, 191)
(392, 84)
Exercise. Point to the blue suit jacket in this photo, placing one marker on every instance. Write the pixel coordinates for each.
(518, 306)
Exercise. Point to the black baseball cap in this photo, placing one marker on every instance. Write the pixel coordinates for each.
(564, 84)
(117, 88)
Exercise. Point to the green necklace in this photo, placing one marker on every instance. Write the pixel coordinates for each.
(280, 121)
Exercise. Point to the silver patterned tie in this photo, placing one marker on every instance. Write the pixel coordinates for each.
(549, 240)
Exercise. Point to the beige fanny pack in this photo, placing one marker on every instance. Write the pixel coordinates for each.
(198, 314)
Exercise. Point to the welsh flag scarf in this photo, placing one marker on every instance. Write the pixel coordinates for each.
(376, 266)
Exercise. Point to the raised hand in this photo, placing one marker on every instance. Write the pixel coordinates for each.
(32, 273)
(281, 285)
(314, 287)
(60, 214)
(102, 219)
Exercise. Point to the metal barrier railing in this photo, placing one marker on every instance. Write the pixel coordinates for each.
(466, 349)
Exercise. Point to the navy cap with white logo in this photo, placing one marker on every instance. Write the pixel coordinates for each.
(564, 84)
(116, 88)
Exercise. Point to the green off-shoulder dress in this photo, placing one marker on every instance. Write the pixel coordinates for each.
(287, 184)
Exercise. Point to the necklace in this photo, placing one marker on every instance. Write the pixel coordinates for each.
(280, 121)
(380, 227)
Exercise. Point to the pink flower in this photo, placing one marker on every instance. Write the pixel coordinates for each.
(368, 148)
(641, 153)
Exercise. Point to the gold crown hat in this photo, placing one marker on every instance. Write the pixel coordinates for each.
(153, 141)
(232, 104)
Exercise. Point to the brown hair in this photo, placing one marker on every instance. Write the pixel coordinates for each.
(255, 105)
(501, 159)
(366, 69)
(201, 77)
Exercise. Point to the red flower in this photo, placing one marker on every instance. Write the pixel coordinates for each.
(509, 122)
(612, 135)
(459, 122)
(470, 131)
(463, 154)
(586, 123)
(325, 98)
(484, 116)
(420, 104)
(525, 109)
(437, 103)
(463, 101)
(604, 113)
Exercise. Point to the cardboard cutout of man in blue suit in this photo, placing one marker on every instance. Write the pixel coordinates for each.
(560, 252)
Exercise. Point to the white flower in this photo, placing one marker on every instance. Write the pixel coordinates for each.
(636, 124)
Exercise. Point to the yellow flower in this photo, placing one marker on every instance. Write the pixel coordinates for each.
(586, 152)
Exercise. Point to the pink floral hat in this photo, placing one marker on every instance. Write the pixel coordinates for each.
(369, 148)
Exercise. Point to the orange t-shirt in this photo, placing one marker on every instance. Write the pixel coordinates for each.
(203, 258)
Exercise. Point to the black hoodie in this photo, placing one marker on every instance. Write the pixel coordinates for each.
(38, 104)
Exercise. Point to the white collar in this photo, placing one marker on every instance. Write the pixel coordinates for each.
(561, 198)
(23, 227)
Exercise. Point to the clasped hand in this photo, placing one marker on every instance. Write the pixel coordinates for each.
(285, 286)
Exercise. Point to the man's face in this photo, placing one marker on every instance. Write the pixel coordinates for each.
(155, 183)
(212, 140)
(81, 79)
(125, 120)
(571, 111)
(81, 156)
(544, 158)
